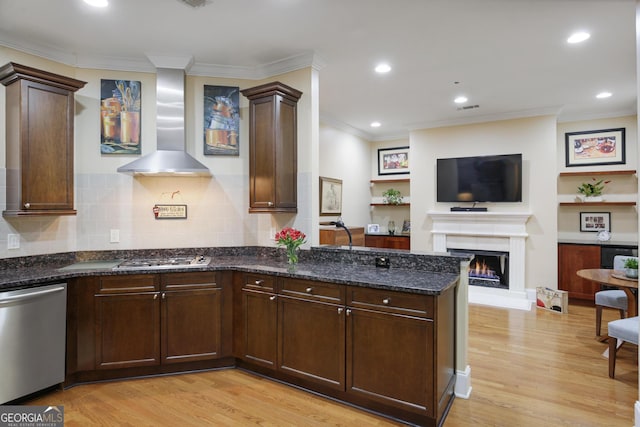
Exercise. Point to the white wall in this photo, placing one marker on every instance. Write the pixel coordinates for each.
(346, 157)
(105, 200)
(535, 138)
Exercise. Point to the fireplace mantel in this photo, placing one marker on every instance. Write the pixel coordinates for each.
(493, 231)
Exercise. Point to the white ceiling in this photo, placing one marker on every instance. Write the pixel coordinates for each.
(510, 57)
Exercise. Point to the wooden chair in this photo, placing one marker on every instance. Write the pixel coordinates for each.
(625, 330)
(611, 298)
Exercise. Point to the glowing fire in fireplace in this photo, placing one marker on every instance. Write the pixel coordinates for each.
(482, 271)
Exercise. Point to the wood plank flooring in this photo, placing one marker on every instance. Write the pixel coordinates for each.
(534, 368)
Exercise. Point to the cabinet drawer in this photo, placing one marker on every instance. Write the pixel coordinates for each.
(129, 283)
(307, 289)
(259, 282)
(193, 280)
(391, 301)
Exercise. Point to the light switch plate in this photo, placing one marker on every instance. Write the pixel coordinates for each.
(13, 241)
(114, 236)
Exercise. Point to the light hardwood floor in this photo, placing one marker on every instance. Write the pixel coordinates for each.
(534, 368)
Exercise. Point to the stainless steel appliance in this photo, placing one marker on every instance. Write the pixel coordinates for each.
(164, 262)
(32, 340)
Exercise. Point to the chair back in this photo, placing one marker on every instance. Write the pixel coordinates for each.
(619, 260)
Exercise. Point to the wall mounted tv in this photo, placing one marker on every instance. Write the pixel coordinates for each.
(480, 179)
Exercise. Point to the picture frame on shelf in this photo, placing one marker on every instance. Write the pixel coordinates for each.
(595, 221)
(330, 196)
(595, 147)
(393, 161)
(373, 228)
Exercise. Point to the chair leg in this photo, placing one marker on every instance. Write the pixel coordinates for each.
(612, 356)
(623, 314)
(598, 319)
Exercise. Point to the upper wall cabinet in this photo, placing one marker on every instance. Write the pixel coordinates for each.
(39, 144)
(273, 160)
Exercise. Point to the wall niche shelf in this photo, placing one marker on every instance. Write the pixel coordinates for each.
(378, 182)
(389, 204)
(384, 181)
(593, 174)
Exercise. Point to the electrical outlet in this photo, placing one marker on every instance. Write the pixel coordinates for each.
(13, 241)
(114, 236)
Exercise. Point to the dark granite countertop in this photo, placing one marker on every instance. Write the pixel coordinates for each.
(418, 273)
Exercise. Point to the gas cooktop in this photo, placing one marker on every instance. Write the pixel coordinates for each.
(163, 262)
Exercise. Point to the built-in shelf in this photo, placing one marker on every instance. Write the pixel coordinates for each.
(598, 204)
(383, 181)
(388, 204)
(618, 172)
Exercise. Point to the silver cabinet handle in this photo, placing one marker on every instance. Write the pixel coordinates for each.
(348, 312)
(272, 298)
(309, 290)
(386, 301)
(269, 203)
(155, 296)
(259, 282)
(340, 310)
(27, 205)
(164, 295)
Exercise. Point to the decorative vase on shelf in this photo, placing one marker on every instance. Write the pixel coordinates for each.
(593, 198)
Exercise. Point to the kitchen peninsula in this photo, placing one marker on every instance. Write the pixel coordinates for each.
(382, 339)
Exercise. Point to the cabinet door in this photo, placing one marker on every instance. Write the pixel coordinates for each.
(572, 258)
(127, 330)
(380, 366)
(47, 147)
(311, 339)
(262, 154)
(191, 325)
(260, 311)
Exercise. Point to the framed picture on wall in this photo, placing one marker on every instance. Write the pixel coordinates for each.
(393, 161)
(595, 147)
(330, 196)
(595, 221)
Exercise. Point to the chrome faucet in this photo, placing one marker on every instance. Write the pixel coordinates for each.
(339, 224)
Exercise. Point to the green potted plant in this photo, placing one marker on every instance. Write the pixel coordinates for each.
(592, 191)
(631, 268)
(392, 197)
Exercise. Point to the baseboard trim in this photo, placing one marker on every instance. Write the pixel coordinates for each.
(463, 383)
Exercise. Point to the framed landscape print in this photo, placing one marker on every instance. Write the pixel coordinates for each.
(595, 147)
(393, 161)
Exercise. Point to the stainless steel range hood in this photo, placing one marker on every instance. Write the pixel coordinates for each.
(171, 158)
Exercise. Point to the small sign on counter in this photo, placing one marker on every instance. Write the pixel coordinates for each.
(170, 211)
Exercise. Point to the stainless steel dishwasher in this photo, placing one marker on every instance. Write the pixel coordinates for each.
(32, 340)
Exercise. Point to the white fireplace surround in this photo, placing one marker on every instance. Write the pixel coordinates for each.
(490, 231)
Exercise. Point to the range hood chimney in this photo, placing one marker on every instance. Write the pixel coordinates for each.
(171, 158)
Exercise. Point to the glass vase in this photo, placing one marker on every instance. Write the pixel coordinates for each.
(292, 255)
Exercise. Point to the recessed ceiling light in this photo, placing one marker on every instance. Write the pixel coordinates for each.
(375, 124)
(383, 68)
(578, 37)
(461, 100)
(97, 3)
(603, 95)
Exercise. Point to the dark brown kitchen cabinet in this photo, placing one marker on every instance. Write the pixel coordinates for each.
(311, 332)
(273, 157)
(572, 258)
(387, 241)
(259, 315)
(39, 141)
(148, 322)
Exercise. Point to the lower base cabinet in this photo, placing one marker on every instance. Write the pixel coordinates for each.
(145, 321)
(387, 351)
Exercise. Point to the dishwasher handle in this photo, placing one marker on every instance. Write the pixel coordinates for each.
(28, 295)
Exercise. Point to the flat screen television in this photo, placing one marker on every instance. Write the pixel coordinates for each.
(480, 179)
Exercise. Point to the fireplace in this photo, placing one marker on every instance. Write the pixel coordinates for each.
(487, 268)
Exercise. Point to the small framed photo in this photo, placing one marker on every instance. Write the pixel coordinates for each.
(330, 196)
(595, 147)
(595, 221)
(373, 228)
(393, 161)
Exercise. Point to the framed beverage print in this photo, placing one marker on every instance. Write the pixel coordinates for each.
(330, 196)
(221, 120)
(393, 161)
(595, 147)
(595, 221)
(120, 112)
